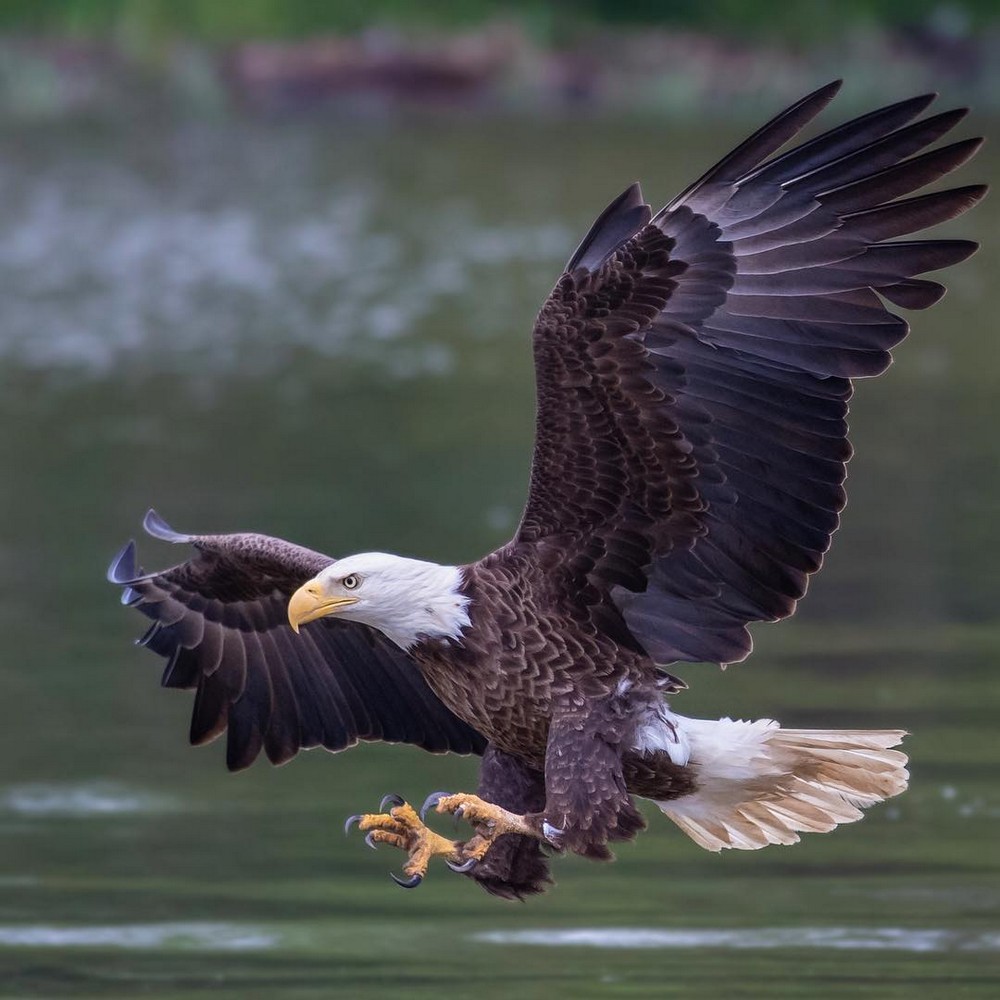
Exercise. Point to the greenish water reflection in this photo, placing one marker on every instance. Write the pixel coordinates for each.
(320, 331)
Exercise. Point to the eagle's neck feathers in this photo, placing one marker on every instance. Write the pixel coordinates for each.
(439, 609)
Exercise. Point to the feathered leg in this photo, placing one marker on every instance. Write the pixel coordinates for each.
(586, 803)
(515, 866)
(581, 804)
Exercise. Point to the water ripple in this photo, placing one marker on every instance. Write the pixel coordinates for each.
(847, 938)
(103, 262)
(92, 799)
(184, 936)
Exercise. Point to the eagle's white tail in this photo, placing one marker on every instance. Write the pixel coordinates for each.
(759, 784)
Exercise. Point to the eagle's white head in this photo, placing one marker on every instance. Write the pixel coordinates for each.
(405, 599)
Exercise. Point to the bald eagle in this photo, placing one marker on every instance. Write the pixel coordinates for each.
(693, 370)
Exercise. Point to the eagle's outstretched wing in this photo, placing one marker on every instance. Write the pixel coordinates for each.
(221, 621)
(693, 371)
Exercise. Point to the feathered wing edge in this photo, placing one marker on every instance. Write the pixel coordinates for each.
(220, 620)
(780, 305)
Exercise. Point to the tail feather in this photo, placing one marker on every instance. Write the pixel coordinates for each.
(759, 784)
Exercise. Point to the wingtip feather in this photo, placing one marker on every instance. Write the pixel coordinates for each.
(621, 220)
(155, 526)
(122, 569)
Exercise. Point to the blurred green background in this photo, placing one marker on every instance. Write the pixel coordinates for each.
(273, 266)
(213, 21)
(677, 57)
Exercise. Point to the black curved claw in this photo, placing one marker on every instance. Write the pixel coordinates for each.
(410, 883)
(431, 801)
(351, 820)
(393, 800)
(466, 866)
(371, 843)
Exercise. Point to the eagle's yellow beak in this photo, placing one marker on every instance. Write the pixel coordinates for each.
(310, 602)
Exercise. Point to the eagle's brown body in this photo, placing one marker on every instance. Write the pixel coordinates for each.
(522, 660)
(693, 370)
(519, 668)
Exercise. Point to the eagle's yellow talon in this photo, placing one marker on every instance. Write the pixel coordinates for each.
(478, 812)
(404, 828)
(401, 827)
(489, 821)
(375, 837)
(477, 847)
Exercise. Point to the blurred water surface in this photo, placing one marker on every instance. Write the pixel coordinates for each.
(320, 330)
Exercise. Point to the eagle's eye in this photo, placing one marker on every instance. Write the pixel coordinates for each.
(352, 582)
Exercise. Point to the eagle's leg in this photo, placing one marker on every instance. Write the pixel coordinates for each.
(586, 803)
(515, 865)
(504, 853)
(401, 827)
(490, 822)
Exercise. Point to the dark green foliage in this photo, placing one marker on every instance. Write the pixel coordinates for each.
(208, 20)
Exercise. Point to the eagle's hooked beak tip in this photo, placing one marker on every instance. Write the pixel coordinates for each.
(304, 605)
(310, 602)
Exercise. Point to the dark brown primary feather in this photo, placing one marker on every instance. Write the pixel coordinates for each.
(693, 371)
(221, 621)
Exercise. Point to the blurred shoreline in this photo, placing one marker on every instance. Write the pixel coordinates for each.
(497, 68)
